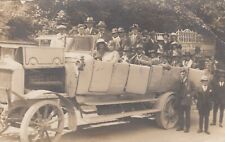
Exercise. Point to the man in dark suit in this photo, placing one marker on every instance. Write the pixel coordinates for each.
(90, 29)
(219, 98)
(204, 104)
(183, 102)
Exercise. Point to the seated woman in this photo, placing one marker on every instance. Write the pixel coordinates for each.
(101, 47)
(111, 55)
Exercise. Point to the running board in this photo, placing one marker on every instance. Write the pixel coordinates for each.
(97, 102)
(105, 118)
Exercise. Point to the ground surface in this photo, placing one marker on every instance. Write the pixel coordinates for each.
(138, 130)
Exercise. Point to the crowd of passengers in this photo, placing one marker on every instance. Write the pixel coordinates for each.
(138, 46)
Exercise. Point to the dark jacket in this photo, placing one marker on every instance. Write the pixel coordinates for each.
(184, 93)
(204, 99)
(218, 92)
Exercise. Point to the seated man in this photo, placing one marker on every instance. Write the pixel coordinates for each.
(112, 55)
(140, 58)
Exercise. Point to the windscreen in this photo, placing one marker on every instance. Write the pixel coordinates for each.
(80, 43)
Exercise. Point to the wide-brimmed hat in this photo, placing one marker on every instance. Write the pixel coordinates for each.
(173, 34)
(160, 38)
(134, 26)
(139, 47)
(114, 30)
(80, 26)
(152, 33)
(61, 27)
(101, 40)
(101, 24)
(89, 20)
(121, 30)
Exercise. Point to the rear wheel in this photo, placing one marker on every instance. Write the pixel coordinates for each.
(168, 117)
(43, 122)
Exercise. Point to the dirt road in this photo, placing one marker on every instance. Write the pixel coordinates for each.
(138, 130)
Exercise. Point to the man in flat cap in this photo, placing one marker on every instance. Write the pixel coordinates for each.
(204, 104)
(184, 94)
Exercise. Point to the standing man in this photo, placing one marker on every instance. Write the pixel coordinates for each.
(134, 36)
(90, 30)
(123, 39)
(219, 98)
(204, 104)
(102, 32)
(116, 39)
(183, 102)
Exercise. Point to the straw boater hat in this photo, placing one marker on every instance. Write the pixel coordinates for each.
(90, 20)
(173, 34)
(101, 24)
(61, 27)
(121, 30)
(81, 26)
(114, 30)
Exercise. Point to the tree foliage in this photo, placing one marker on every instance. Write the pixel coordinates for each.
(207, 17)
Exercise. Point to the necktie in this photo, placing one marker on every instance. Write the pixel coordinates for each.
(204, 88)
(221, 84)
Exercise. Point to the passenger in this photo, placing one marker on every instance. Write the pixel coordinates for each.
(135, 36)
(116, 39)
(81, 29)
(176, 62)
(146, 42)
(101, 47)
(123, 39)
(111, 55)
(124, 58)
(153, 45)
(140, 58)
(90, 30)
(102, 32)
(73, 31)
(60, 39)
(156, 58)
(187, 61)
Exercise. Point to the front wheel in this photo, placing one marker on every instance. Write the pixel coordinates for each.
(43, 122)
(167, 118)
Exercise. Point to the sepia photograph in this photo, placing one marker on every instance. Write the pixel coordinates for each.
(112, 70)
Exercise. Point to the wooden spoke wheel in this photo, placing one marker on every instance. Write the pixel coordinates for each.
(43, 122)
(168, 117)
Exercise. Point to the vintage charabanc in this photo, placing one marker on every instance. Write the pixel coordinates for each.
(45, 89)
